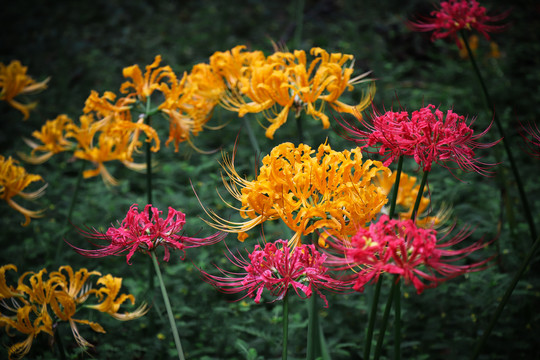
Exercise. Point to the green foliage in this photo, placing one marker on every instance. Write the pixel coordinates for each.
(84, 45)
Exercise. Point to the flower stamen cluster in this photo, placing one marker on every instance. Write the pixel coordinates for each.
(277, 268)
(145, 231)
(308, 190)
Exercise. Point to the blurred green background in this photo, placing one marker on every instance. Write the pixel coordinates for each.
(84, 45)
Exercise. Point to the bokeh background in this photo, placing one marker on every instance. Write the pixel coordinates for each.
(84, 45)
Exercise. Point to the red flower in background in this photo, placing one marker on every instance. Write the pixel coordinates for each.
(427, 135)
(455, 15)
(138, 232)
(531, 134)
(277, 267)
(400, 247)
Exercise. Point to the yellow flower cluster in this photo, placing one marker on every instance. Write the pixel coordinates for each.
(285, 81)
(308, 190)
(14, 82)
(13, 180)
(38, 303)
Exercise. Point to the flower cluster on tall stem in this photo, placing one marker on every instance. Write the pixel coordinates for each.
(400, 247)
(278, 268)
(427, 135)
(37, 304)
(308, 190)
(145, 231)
(456, 15)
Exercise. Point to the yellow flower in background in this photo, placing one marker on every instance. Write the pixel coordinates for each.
(143, 87)
(285, 81)
(53, 140)
(61, 295)
(14, 82)
(102, 141)
(13, 180)
(308, 190)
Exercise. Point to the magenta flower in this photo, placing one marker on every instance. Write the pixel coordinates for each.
(277, 268)
(400, 247)
(428, 136)
(456, 15)
(531, 134)
(138, 232)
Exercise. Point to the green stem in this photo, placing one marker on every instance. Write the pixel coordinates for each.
(168, 307)
(419, 195)
(397, 321)
(377, 292)
(313, 328)
(285, 325)
(71, 207)
(299, 129)
(505, 141)
(505, 298)
(252, 138)
(59, 343)
(386, 315)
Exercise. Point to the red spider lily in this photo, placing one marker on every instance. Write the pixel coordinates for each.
(428, 136)
(455, 15)
(531, 134)
(276, 268)
(400, 247)
(138, 232)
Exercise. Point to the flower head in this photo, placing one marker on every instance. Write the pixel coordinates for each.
(307, 190)
(277, 268)
(145, 231)
(143, 86)
(13, 180)
(402, 248)
(14, 81)
(427, 135)
(38, 303)
(456, 15)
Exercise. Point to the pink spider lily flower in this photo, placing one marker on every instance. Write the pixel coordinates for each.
(456, 15)
(427, 135)
(277, 267)
(138, 232)
(531, 134)
(400, 247)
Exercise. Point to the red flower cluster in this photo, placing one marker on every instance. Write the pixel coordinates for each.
(400, 247)
(428, 136)
(276, 268)
(455, 15)
(531, 134)
(138, 232)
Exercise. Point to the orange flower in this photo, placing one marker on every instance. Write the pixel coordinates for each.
(53, 137)
(143, 87)
(285, 81)
(62, 293)
(330, 190)
(14, 81)
(13, 180)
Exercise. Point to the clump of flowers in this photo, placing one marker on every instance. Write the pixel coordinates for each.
(14, 81)
(145, 231)
(277, 268)
(285, 81)
(307, 190)
(456, 15)
(37, 303)
(13, 180)
(427, 135)
(402, 248)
